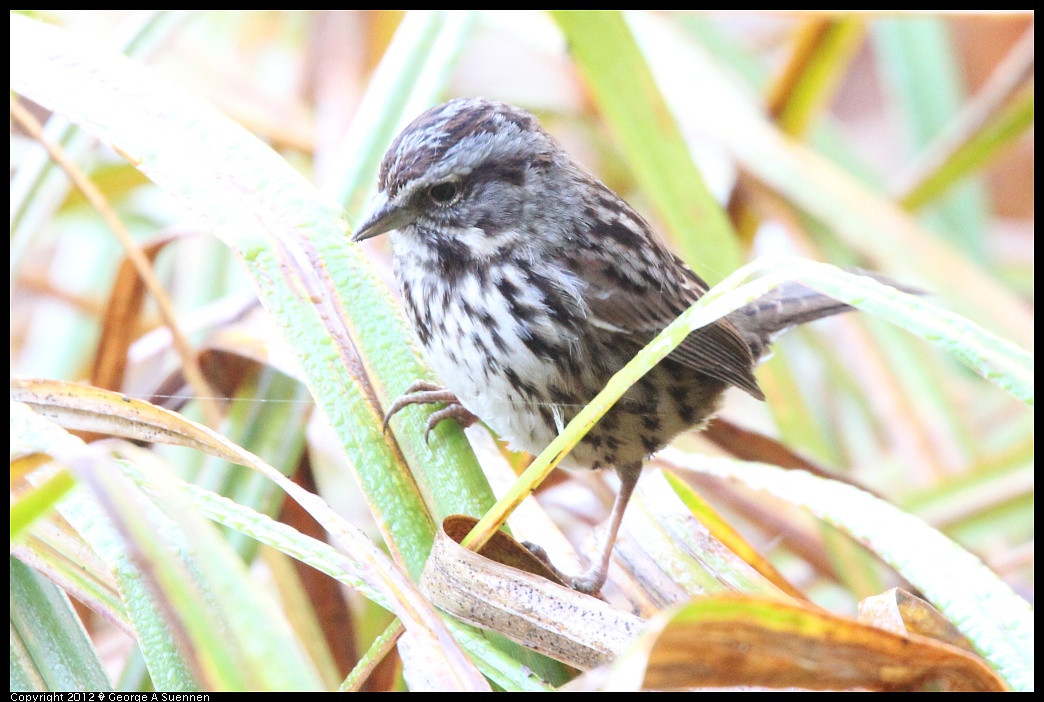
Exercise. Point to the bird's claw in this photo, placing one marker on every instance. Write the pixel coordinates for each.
(588, 583)
(423, 392)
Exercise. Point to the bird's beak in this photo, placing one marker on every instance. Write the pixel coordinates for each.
(381, 216)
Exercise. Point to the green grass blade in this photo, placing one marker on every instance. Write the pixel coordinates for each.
(604, 49)
(412, 73)
(50, 650)
(975, 150)
(921, 70)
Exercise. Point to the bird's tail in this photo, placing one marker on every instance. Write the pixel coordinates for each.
(788, 305)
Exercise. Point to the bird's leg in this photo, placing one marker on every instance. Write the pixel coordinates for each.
(421, 392)
(591, 581)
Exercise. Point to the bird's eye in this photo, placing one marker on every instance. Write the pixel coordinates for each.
(443, 193)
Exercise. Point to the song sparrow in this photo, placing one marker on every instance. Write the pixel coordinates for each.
(529, 284)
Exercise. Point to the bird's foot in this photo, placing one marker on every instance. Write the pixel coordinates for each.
(422, 392)
(589, 582)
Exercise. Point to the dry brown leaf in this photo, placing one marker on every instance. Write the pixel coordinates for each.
(552, 619)
(727, 641)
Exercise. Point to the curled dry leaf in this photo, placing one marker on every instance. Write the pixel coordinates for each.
(564, 624)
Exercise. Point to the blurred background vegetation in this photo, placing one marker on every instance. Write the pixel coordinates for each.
(897, 142)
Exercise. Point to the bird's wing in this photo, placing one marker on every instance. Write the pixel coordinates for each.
(636, 293)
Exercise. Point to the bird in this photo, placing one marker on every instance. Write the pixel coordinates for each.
(529, 283)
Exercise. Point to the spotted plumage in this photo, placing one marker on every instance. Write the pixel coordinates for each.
(529, 284)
